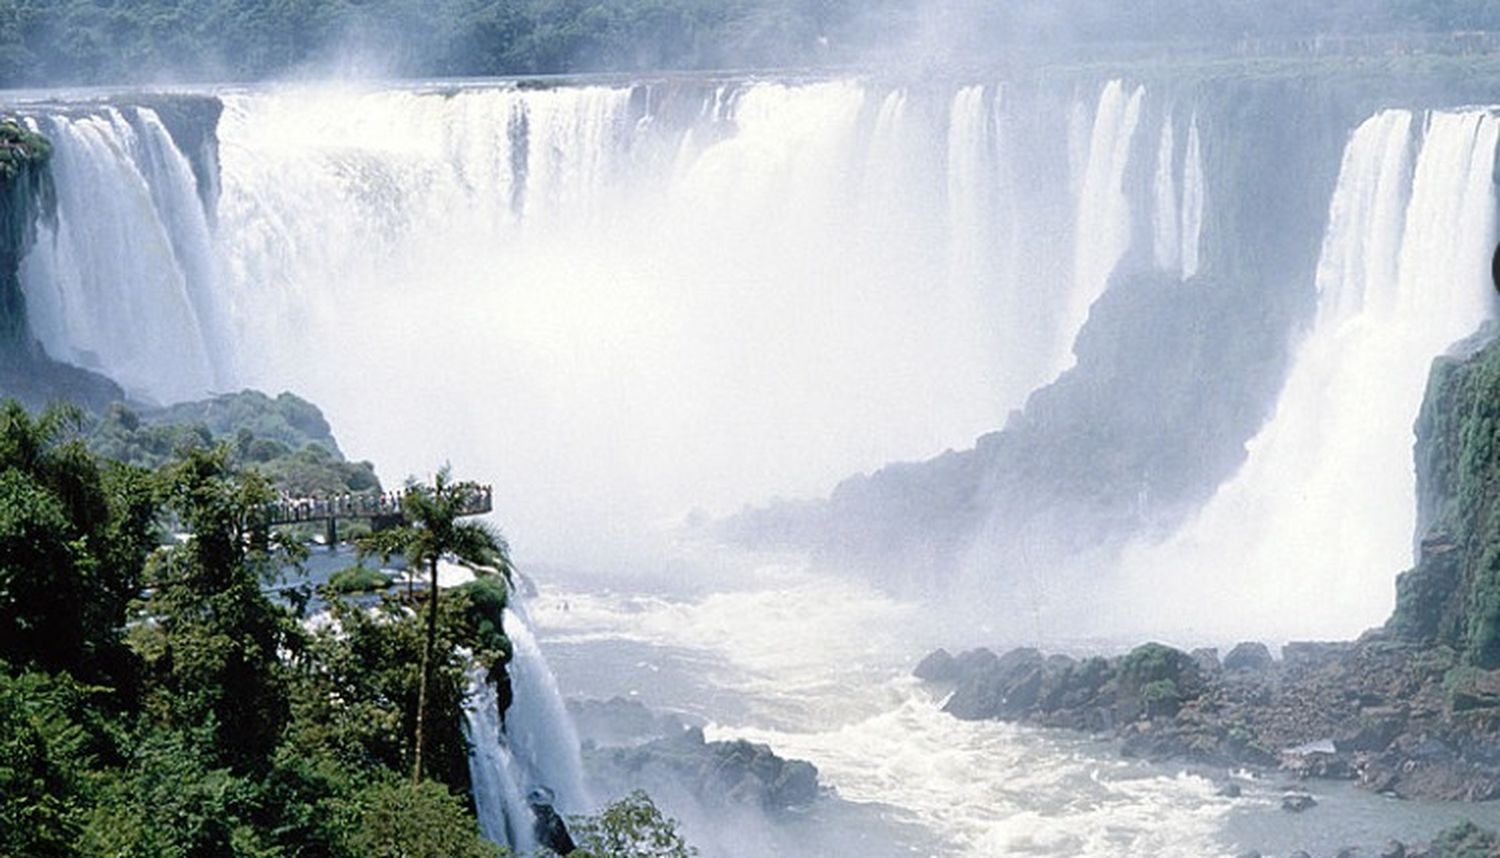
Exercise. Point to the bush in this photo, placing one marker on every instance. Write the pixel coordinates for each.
(358, 579)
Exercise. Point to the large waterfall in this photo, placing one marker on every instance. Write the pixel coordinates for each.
(624, 302)
(1309, 536)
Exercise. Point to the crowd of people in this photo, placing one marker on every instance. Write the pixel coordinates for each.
(289, 510)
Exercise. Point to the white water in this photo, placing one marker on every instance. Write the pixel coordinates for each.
(122, 281)
(1104, 216)
(1178, 205)
(619, 316)
(1307, 539)
(536, 747)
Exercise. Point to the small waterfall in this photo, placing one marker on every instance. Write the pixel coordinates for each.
(1102, 236)
(498, 781)
(1309, 535)
(1178, 205)
(537, 747)
(1167, 246)
(1191, 230)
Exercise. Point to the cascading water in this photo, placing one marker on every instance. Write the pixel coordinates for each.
(1308, 537)
(122, 279)
(1178, 202)
(1104, 216)
(536, 747)
(534, 263)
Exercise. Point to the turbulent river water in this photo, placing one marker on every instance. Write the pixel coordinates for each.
(819, 669)
(633, 304)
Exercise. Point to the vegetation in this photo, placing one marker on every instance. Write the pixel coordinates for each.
(80, 41)
(1452, 597)
(285, 439)
(1465, 840)
(154, 702)
(359, 579)
(631, 826)
(434, 531)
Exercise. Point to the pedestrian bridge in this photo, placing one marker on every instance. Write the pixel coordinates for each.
(383, 510)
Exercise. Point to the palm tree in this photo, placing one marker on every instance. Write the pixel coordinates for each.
(433, 530)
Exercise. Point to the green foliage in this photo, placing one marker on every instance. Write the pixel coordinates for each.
(20, 149)
(1465, 840)
(63, 41)
(45, 757)
(1152, 662)
(424, 820)
(286, 439)
(217, 658)
(154, 703)
(358, 579)
(73, 538)
(435, 529)
(632, 827)
(482, 602)
(1452, 597)
(1161, 697)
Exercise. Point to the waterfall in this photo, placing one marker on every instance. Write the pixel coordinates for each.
(895, 266)
(1191, 230)
(1103, 232)
(499, 783)
(1178, 209)
(122, 279)
(537, 747)
(1309, 535)
(1167, 247)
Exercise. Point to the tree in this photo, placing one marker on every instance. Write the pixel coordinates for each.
(73, 540)
(632, 827)
(434, 530)
(218, 639)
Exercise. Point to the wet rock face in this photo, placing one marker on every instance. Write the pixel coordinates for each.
(717, 773)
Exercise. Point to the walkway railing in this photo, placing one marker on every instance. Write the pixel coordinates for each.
(475, 499)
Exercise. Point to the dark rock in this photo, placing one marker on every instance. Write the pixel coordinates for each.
(1207, 659)
(1347, 852)
(737, 772)
(1251, 854)
(1229, 790)
(938, 666)
(1249, 655)
(1005, 688)
(1312, 654)
(1297, 802)
(1373, 731)
(1393, 849)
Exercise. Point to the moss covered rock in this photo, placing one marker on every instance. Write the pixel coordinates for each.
(1452, 596)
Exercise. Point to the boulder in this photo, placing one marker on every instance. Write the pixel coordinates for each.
(1297, 802)
(938, 666)
(1249, 655)
(1207, 659)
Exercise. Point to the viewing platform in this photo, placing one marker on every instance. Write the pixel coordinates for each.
(383, 511)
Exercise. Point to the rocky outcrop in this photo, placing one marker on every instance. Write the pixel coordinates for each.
(1394, 716)
(716, 773)
(1452, 596)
